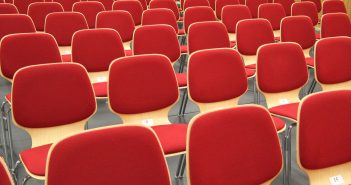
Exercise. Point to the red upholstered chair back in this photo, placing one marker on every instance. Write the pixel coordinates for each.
(95, 49)
(207, 35)
(249, 39)
(298, 29)
(157, 39)
(335, 24)
(216, 75)
(22, 5)
(222, 3)
(119, 20)
(159, 16)
(281, 67)
(107, 4)
(253, 6)
(169, 4)
(317, 3)
(235, 142)
(66, 4)
(62, 25)
(273, 12)
(133, 7)
(141, 84)
(135, 158)
(25, 49)
(39, 10)
(5, 177)
(197, 14)
(89, 9)
(286, 4)
(195, 3)
(232, 14)
(333, 61)
(15, 23)
(306, 8)
(333, 6)
(7, 8)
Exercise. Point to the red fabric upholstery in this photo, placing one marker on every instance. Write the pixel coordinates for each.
(222, 3)
(298, 29)
(335, 24)
(237, 147)
(306, 8)
(15, 23)
(232, 14)
(195, 3)
(310, 61)
(278, 123)
(286, 4)
(142, 83)
(22, 6)
(34, 159)
(62, 25)
(216, 75)
(333, 6)
(121, 21)
(95, 49)
(159, 16)
(8, 97)
(323, 130)
(182, 79)
(5, 177)
(181, 31)
(184, 49)
(281, 67)
(7, 8)
(107, 4)
(207, 35)
(39, 10)
(66, 58)
(128, 52)
(273, 12)
(133, 7)
(52, 95)
(100, 89)
(34, 48)
(253, 6)
(169, 4)
(137, 158)
(197, 14)
(66, 4)
(249, 39)
(250, 72)
(89, 9)
(286, 110)
(156, 39)
(333, 67)
(317, 3)
(172, 137)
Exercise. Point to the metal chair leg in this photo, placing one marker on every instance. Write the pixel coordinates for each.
(312, 87)
(182, 103)
(180, 167)
(3, 130)
(9, 127)
(185, 102)
(288, 154)
(26, 179)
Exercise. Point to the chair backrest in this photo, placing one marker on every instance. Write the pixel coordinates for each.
(159, 16)
(325, 115)
(286, 4)
(333, 6)
(5, 176)
(195, 3)
(22, 5)
(61, 100)
(39, 10)
(253, 6)
(34, 48)
(281, 68)
(335, 24)
(333, 63)
(107, 3)
(89, 9)
(133, 7)
(62, 25)
(15, 23)
(67, 4)
(95, 49)
(233, 141)
(216, 78)
(273, 12)
(207, 35)
(156, 39)
(7, 8)
(318, 4)
(153, 75)
(119, 20)
(170, 4)
(222, 3)
(136, 151)
(306, 8)
(197, 14)
(232, 14)
(298, 29)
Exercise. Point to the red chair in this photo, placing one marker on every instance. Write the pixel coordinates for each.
(15, 23)
(22, 5)
(39, 10)
(7, 8)
(111, 148)
(195, 3)
(107, 4)
(220, 4)
(95, 49)
(274, 13)
(214, 141)
(317, 3)
(286, 4)
(306, 8)
(56, 94)
(197, 14)
(169, 4)
(253, 6)
(161, 16)
(333, 6)
(5, 176)
(89, 9)
(133, 7)
(335, 24)
(66, 4)
(325, 115)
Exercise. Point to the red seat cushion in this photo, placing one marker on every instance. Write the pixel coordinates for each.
(250, 72)
(279, 123)
(8, 97)
(251, 66)
(172, 137)
(232, 44)
(318, 36)
(100, 89)
(182, 79)
(287, 110)
(128, 52)
(184, 48)
(34, 159)
(277, 38)
(66, 58)
(181, 31)
(310, 61)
